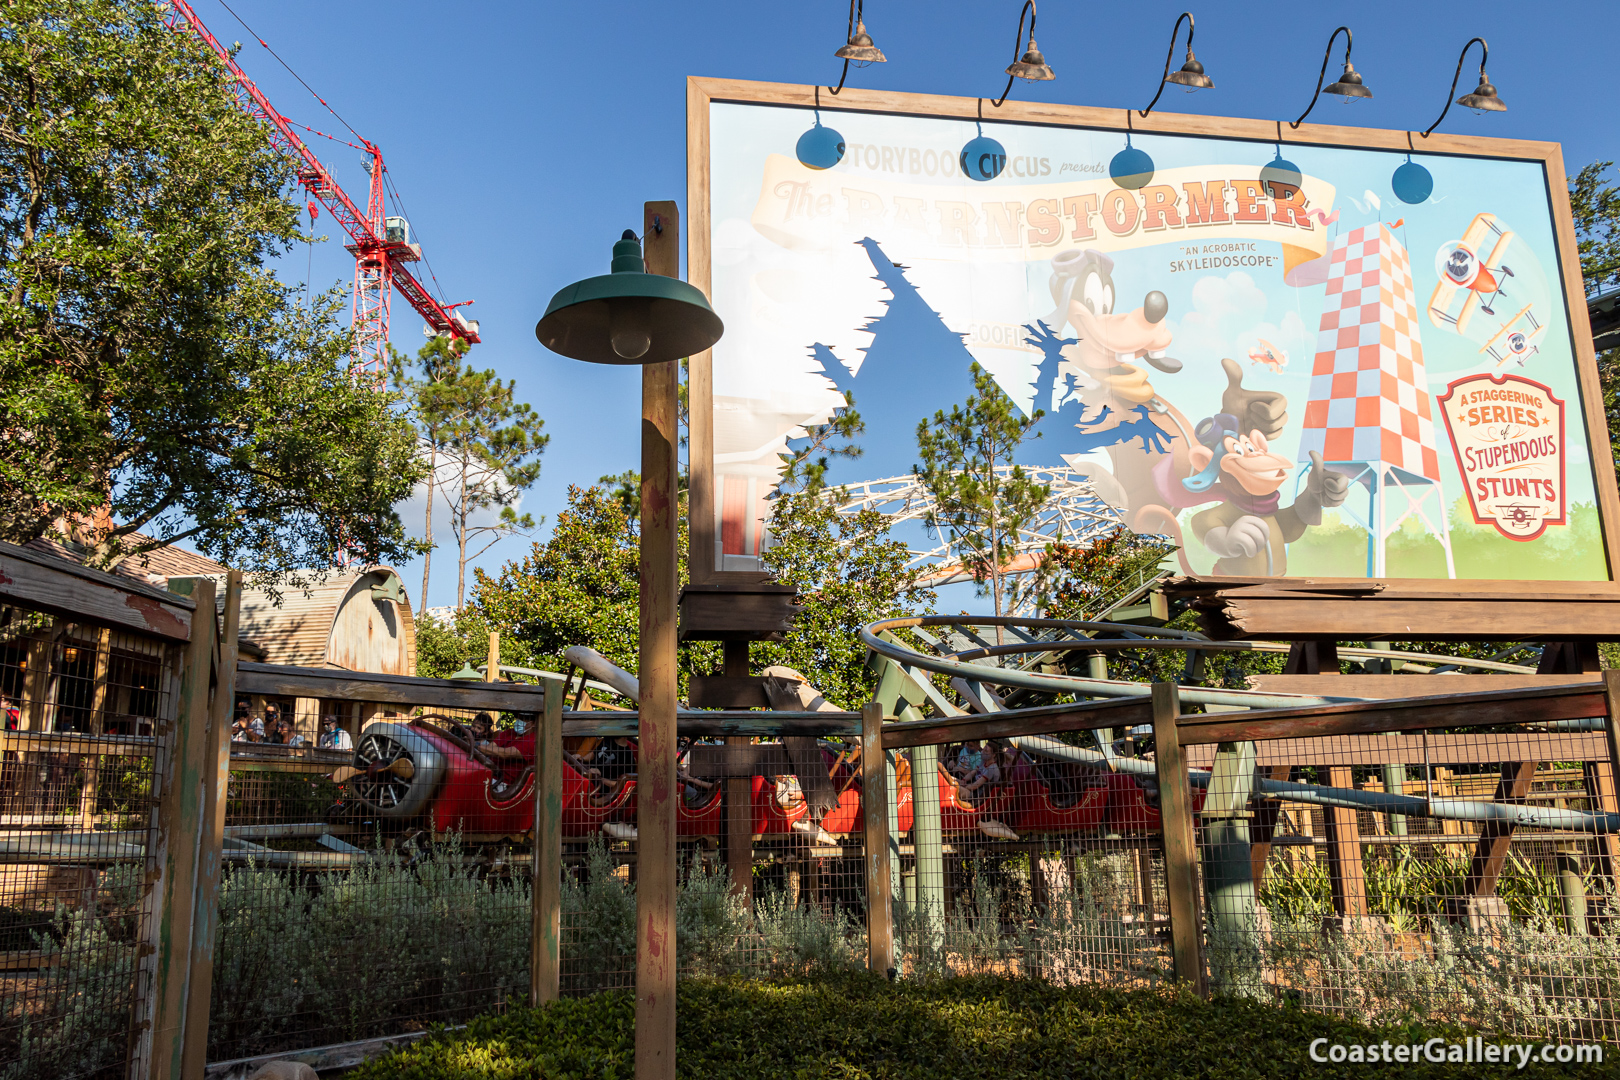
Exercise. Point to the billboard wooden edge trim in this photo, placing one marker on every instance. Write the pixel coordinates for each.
(703, 91)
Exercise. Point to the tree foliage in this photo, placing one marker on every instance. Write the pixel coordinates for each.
(849, 572)
(154, 375)
(980, 510)
(1086, 580)
(582, 587)
(482, 445)
(805, 466)
(1595, 205)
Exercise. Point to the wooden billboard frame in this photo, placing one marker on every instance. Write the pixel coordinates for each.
(1388, 607)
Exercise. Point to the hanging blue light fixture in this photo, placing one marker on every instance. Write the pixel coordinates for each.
(1131, 169)
(1281, 172)
(1412, 182)
(821, 147)
(983, 158)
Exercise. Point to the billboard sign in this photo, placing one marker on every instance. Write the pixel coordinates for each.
(1258, 350)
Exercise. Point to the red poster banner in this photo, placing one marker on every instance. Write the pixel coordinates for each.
(1508, 434)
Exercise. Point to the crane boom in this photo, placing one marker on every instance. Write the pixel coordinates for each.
(379, 260)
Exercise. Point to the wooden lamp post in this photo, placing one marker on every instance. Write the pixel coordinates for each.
(642, 313)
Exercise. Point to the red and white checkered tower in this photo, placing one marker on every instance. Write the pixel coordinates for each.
(1369, 413)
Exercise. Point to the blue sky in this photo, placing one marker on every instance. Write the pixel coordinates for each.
(524, 137)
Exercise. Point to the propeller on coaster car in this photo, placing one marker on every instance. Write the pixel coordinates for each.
(400, 767)
(395, 769)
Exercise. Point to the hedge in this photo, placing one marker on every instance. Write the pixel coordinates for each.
(849, 1026)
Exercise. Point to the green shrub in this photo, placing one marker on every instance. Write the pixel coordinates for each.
(862, 1026)
(76, 1016)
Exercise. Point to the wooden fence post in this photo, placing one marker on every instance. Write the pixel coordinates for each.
(545, 943)
(875, 799)
(179, 777)
(738, 796)
(1180, 843)
(1346, 877)
(216, 778)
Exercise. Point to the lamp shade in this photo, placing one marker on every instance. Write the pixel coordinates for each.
(629, 316)
(1483, 98)
(860, 49)
(1191, 75)
(1349, 85)
(1031, 66)
(468, 673)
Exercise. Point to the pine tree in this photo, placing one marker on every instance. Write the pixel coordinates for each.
(983, 500)
(482, 446)
(435, 362)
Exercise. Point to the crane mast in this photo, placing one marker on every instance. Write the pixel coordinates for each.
(380, 245)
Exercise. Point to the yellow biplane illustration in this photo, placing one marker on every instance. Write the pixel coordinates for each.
(1470, 283)
(1492, 291)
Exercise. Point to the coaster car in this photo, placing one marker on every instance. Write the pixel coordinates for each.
(429, 771)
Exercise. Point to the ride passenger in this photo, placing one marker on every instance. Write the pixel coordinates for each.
(987, 775)
(332, 736)
(614, 762)
(511, 750)
(969, 759)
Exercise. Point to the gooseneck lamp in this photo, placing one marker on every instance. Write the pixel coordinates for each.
(1484, 96)
(983, 158)
(1191, 74)
(1031, 66)
(628, 316)
(1348, 85)
(858, 48)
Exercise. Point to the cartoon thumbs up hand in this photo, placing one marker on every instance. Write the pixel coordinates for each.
(1324, 489)
(1265, 411)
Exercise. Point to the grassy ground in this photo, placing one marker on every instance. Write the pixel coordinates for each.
(958, 1029)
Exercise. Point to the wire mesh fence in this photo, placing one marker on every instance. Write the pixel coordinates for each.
(76, 787)
(341, 919)
(1455, 875)
(1020, 864)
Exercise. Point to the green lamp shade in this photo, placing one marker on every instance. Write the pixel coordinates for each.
(468, 673)
(629, 316)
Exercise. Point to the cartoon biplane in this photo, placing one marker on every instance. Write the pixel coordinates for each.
(1477, 280)
(1270, 355)
(1518, 339)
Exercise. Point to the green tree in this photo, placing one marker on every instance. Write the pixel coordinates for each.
(849, 572)
(155, 376)
(491, 451)
(1085, 580)
(1595, 205)
(418, 380)
(580, 587)
(983, 499)
(804, 468)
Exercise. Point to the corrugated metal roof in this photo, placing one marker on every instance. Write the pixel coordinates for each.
(373, 634)
(165, 561)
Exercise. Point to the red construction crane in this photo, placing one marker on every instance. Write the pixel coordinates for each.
(380, 245)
